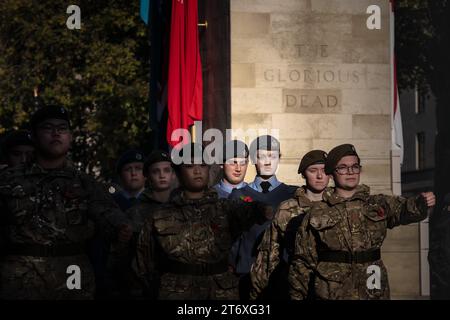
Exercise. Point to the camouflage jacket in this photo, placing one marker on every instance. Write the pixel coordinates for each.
(59, 206)
(192, 232)
(278, 238)
(122, 255)
(352, 225)
(142, 210)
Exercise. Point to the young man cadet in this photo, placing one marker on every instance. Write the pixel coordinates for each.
(130, 168)
(161, 178)
(183, 249)
(340, 238)
(17, 148)
(235, 163)
(266, 188)
(49, 210)
(277, 245)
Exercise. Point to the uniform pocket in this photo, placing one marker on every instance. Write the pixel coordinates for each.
(333, 271)
(175, 287)
(20, 203)
(168, 226)
(375, 213)
(376, 223)
(75, 205)
(322, 222)
(226, 281)
(227, 286)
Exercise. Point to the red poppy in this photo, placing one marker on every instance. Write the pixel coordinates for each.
(246, 199)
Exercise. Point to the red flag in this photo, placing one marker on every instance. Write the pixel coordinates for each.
(185, 85)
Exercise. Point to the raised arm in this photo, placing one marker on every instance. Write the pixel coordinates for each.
(402, 211)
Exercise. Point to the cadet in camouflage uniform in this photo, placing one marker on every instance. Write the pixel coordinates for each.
(161, 178)
(183, 248)
(340, 238)
(49, 210)
(277, 245)
(129, 169)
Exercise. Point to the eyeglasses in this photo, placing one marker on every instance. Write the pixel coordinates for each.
(49, 128)
(356, 168)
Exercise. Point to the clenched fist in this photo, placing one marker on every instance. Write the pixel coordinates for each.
(430, 198)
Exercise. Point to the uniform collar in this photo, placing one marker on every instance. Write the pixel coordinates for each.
(256, 184)
(147, 196)
(300, 195)
(36, 168)
(362, 193)
(229, 188)
(209, 196)
(128, 196)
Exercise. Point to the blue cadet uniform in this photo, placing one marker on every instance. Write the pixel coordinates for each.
(271, 192)
(232, 149)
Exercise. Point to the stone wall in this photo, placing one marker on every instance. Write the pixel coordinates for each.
(314, 71)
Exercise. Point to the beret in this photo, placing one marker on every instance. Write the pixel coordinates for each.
(129, 156)
(336, 154)
(310, 158)
(155, 157)
(49, 112)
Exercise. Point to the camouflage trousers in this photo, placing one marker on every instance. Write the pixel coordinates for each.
(223, 286)
(46, 278)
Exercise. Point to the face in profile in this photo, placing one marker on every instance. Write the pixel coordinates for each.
(316, 179)
(234, 170)
(132, 176)
(347, 173)
(19, 154)
(161, 176)
(267, 162)
(194, 177)
(53, 138)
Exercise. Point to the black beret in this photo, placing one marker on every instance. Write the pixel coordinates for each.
(49, 112)
(17, 138)
(336, 154)
(265, 142)
(235, 149)
(310, 158)
(129, 156)
(155, 157)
